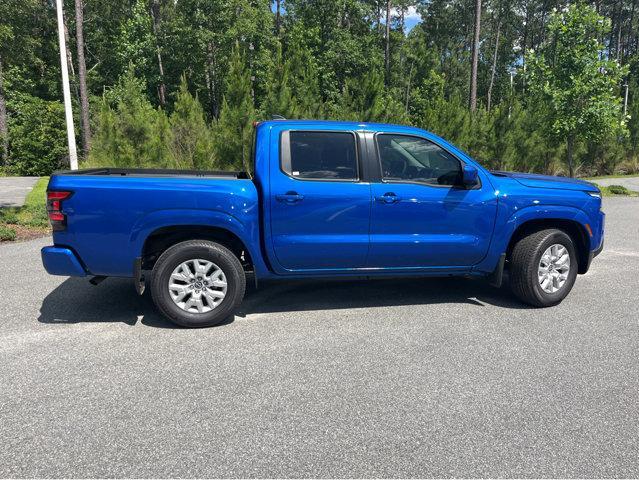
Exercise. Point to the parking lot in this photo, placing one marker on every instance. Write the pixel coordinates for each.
(417, 377)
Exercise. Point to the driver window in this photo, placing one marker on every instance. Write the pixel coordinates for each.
(407, 158)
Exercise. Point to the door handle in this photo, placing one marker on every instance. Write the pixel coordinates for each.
(388, 197)
(289, 197)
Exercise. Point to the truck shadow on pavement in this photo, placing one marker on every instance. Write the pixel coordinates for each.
(114, 300)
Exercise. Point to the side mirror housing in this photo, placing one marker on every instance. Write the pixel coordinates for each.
(469, 175)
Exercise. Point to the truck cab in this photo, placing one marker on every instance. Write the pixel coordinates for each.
(324, 199)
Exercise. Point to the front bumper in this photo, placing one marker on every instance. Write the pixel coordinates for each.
(593, 253)
(62, 261)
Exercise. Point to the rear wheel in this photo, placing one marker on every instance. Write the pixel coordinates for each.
(197, 283)
(543, 267)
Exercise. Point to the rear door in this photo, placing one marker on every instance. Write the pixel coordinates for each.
(319, 206)
(422, 217)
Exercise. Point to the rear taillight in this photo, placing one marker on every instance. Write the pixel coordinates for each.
(54, 208)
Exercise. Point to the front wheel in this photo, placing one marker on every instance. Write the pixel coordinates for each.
(197, 283)
(543, 268)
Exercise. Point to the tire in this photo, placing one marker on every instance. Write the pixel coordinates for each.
(525, 263)
(208, 313)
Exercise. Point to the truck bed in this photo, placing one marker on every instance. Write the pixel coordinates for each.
(112, 211)
(154, 172)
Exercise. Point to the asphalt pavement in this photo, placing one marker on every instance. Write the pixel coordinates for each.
(631, 183)
(385, 378)
(14, 190)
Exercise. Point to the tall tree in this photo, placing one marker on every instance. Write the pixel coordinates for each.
(304, 77)
(279, 99)
(4, 131)
(155, 16)
(493, 70)
(191, 142)
(475, 57)
(387, 41)
(234, 128)
(82, 77)
(278, 16)
(580, 88)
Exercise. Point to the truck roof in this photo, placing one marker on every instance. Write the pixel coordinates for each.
(351, 125)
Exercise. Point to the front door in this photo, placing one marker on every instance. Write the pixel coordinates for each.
(421, 215)
(320, 210)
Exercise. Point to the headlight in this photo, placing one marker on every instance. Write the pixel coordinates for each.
(594, 194)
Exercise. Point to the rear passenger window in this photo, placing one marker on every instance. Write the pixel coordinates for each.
(319, 155)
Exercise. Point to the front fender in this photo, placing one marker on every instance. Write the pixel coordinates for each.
(247, 232)
(510, 221)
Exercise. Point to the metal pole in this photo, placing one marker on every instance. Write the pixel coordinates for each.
(73, 151)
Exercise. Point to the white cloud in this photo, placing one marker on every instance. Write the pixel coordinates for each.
(411, 14)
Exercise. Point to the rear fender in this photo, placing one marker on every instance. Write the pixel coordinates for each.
(248, 234)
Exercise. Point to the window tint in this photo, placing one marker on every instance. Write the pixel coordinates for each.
(418, 160)
(320, 155)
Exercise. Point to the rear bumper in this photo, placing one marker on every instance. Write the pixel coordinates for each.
(62, 261)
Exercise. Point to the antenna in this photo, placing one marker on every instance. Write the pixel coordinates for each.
(277, 117)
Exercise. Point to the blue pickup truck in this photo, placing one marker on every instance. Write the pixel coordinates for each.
(323, 199)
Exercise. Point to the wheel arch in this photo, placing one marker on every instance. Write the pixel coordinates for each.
(164, 237)
(573, 228)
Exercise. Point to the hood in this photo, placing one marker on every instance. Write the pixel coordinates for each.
(548, 181)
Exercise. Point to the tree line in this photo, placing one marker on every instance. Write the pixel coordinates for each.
(533, 85)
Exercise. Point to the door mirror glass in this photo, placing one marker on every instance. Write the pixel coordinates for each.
(469, 175)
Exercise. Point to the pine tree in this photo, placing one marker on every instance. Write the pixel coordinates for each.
(191, 137)
(279, 99)
(303, 78)
(130, 132)
(364, 101)
(234, 132)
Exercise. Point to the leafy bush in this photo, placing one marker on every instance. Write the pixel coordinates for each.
(9, 216)
(37, 136)
(618, 190)
(7, 234)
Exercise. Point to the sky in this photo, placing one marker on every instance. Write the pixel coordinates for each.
(411, 18)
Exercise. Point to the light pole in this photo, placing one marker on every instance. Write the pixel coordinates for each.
(73, 151)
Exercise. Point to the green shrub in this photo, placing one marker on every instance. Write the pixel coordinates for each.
(8, 215)
(618, 190)
(37, 136)
(7, 234)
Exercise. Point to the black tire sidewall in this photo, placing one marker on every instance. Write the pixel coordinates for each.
(545, 298)
(204, 250)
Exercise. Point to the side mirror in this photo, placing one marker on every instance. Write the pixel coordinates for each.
(469, 175)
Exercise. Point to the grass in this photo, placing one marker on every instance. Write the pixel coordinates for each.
(7, 234)
(28, 221)
(617, 191)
